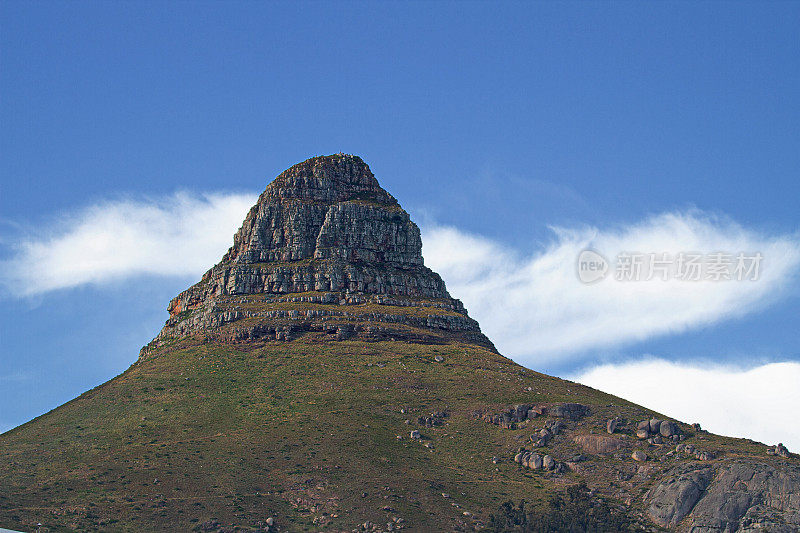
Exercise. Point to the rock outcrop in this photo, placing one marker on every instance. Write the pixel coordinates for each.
(324, 235)
(736, 496)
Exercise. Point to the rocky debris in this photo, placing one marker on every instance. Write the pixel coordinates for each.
(536, 410)
(691, 450)
(656, 431)
(551, 429)
(572, 411)
(534, 461)
(435, 419)
(324, 228)
(513, 416)
(396, 524)
(510, 417)
(779, 450)
(731, 497)
(599, 444)
(639, 455)
(213, 526)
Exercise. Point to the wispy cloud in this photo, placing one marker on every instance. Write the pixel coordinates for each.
(532, 305)
(183, 234)
(535, 309)
(756, 402)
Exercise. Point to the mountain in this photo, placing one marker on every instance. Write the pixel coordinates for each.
(321, 378)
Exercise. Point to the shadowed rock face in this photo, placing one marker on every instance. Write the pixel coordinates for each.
(324, 228)
(729, 497)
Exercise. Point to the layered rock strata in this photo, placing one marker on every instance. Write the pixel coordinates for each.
(327, 250)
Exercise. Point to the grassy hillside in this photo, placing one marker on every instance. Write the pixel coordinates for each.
(314, 434)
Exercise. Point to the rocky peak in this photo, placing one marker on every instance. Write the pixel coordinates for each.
(328, 207)
(325, 232)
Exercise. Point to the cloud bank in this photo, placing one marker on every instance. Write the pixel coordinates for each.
(756, 402)
(182, 235)
(536, 309)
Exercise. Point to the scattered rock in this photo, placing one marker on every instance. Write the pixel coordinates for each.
(572, 411)
(779, 450)
(438, 358)
(611, 425)
(415, 434)
(639, 455)
(435, 419)
(690, 449)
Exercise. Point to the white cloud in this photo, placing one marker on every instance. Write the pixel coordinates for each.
(536, 310)
(758, 403)
(183, 234)
(532, 306)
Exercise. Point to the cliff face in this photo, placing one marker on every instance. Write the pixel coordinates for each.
(326, 234)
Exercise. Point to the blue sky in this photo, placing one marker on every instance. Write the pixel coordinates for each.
(496, 122)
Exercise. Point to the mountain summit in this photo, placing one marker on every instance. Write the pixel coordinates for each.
(323, 233)
(321, 378)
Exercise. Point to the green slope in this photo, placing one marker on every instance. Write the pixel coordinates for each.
(303, 431)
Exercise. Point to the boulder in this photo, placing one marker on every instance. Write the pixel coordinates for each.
(611, 425)
(535, 461)
(415, 434)
(642, 433)
(548, 463)
(644, 424)
(779, 450)
(639, 455)
(572, 411)
(669, 428)
(655, 425)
